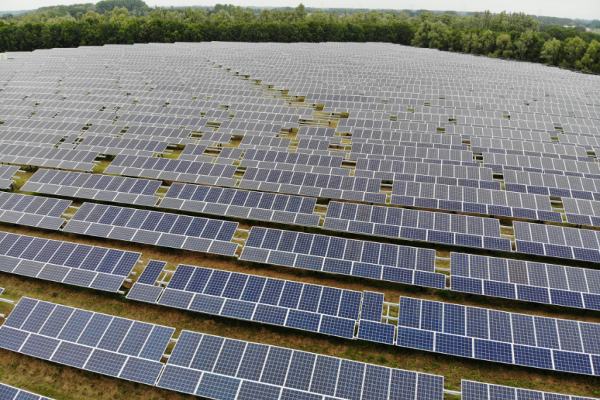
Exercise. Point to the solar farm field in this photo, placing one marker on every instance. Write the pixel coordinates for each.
(329, 221)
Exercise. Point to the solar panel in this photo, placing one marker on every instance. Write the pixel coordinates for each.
(342, 256)
(539, 283)
(48, 157)
(75, 264)
(242, 204)
(92, 341)
(37, 211)
(88, 186)
(7, 172)
(497, 336)
(557, 241)
(265, 300)
(12, 393)
(173, 170)
(417, 225)
(471, 390)
(215, 367)
(152, 227)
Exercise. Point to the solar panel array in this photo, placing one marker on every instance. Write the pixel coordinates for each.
(460, 143)
(557, 241)
(97, 187)
(242, 204)
(373, 260)
(582, 212)
(266, 300)
(47, 157)
(484, 391)
(219, 368)
(88, 340)
(453, 229)
(475, 200)
(31, 138)
(422, 171)
(587, 167)
(117, 145)
(6, 173)
(328, 184)
(525, 280)
(157, 228)
(367, 154)
(272, 158)
(173, 170)
(479, 333)
(13, 393)
(75, 264)
(568, 185)
(37, 211)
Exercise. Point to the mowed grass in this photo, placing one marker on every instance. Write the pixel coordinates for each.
(63, 382)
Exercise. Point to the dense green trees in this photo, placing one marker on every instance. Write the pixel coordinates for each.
(514, 36)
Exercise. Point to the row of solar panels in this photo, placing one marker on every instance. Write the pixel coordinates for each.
(520, 339)
(75, 264)
(582, 165)
(265, 300)
(552, 149)
(422, 324)
(557, 241)
(373, 260)
(30, 138)
(171, 169)
(475, 201)
(553, 184)
(525, 280)
(91, 186)
(47, 157)
(289, 158)
(242, 204)
(400, 169)
(365, 216)
(7, 173)
(470, 390)
(200, 364)
(535, 161)
(13, 393)
(155, 228)
(117, 145)
(37, 211)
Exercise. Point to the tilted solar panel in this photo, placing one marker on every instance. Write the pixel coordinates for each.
(525, 280)
(373, 260)
(75, 264)
(219, 368)
(92, 341)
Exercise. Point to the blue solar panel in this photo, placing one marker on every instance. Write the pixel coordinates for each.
(108, 337)
(263, 372)
(546, 284)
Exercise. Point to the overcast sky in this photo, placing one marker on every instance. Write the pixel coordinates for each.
(585, 9)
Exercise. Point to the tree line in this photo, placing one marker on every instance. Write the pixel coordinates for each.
(511, 36)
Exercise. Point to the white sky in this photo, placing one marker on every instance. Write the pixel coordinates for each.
(585, 9)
